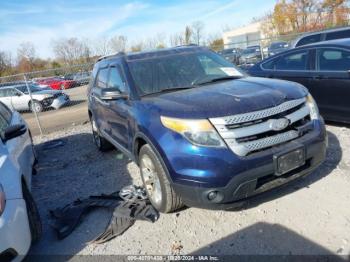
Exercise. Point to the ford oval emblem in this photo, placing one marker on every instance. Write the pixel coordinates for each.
(279, 124)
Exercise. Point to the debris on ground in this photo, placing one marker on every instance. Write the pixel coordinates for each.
(128, 205)
(176, 248)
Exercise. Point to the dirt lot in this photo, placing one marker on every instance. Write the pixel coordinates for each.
(309, 216)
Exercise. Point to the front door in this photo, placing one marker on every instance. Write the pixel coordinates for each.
(293, 67)
(98, 106)
(119, 110)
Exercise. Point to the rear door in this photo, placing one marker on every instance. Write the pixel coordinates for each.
(330, 83)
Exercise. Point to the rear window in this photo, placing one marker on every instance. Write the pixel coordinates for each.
(338, 35)
(309, 40)
(333, 60)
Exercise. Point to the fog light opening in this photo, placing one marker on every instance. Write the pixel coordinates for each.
(212, 195)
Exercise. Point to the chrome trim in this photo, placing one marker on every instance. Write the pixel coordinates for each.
(260, 127)
(231, 135)
(243, 149)
(255, 115)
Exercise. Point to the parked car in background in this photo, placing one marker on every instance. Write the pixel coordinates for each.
(251, 55)
(57, 83)
(325, 35)
(20, 223)
(202, 132)
(322, 67)
(16, 96)
(231, 54)
(277, 47)
(80, 78)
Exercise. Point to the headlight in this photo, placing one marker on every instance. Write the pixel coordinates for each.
(314, 113)
(2, 200)
(198, 132)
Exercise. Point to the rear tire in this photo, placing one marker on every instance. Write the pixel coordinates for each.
(101, 143)
(158, 187)
(33, 215)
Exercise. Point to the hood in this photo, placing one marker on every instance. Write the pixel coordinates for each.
(225, 98)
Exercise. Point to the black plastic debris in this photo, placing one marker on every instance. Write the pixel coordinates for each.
(53, 144)
(128, 205)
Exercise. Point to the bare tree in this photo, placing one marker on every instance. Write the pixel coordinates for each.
(71, 50)
(177, 39)
(118, 43)
(197, 29)
(157, 41)
(26, 50)
(5, 63)
(188, 34)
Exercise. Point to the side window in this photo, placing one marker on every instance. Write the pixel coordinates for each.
(333, 60)
(2, 92)
(5, 117)
(295, 61)
(269, 65)
(338, 35)
(5, 112)
(309, 40)
(116, 79)
(101, 79)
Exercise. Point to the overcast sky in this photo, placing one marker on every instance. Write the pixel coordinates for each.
(42, 21)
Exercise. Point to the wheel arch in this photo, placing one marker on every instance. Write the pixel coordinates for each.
(141, 139)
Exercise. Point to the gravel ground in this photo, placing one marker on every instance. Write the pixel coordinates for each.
(308, 216)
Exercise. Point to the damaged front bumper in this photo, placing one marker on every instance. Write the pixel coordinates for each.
(259, 176)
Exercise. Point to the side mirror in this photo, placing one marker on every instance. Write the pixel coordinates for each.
(112, 93)
(18, 94)
(12, 132)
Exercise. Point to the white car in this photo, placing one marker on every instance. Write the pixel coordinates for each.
(20, 223)
(16, 96)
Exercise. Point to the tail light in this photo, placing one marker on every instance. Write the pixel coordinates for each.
(2, 200)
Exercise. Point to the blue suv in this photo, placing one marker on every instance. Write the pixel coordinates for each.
(203, 133)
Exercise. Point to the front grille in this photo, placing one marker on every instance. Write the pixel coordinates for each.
(255, 131)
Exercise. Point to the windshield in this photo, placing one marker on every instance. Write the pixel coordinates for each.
(154, 75)
(33, 88)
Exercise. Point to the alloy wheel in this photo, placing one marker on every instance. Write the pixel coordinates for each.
(151, 179)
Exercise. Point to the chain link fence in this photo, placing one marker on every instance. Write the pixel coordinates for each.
(48, 100)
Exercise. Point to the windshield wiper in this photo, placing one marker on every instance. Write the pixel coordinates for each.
(217, 80)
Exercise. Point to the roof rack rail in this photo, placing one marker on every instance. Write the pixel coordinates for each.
(186, 45)
(111, 55)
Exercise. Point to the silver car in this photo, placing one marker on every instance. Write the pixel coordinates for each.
(17, 97)
(20, 223)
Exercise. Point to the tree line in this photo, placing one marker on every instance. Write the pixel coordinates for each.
(287, 18)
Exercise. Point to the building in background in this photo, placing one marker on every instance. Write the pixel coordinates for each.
(244, 36)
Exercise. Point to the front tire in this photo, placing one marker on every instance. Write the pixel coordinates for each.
(36, 106)
(155, 180)
(33, 215)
